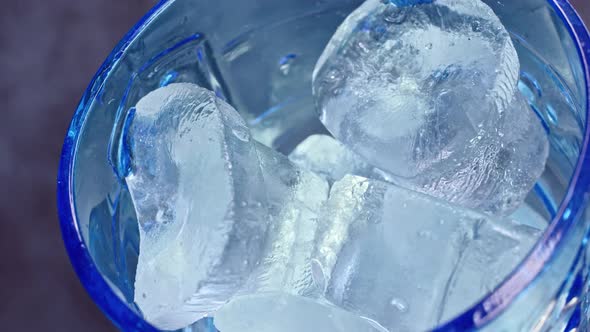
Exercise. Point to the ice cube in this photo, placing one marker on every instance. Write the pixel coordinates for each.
(406, 260)
(196, 185)
(426, 91)
(331, 160)
(502, 170)
(273, 312)
(217, 215)
(296, 197)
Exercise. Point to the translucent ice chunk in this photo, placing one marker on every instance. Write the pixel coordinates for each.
(196, 185)
(331, 160)
(427, 91)
(406, 260)
(273, 312)
(218, 214)
(295, 196)
(502, 170)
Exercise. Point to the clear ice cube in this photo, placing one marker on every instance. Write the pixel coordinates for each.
(196, 185)
(406, 260)
(331, 160)
(295, 197)
(218, 213)
(426, 92)
(274, 312)
(502, 170)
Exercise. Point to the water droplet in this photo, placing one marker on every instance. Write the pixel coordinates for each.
(246, 262)
(242, 134)
(244, 204)
(333, 75)
(429, 46)
(405, 205)
(286, 62)
(399, 304)
(362, 46)
(476, 26)
(442, 221)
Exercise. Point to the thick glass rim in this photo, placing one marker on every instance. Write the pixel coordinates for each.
(477, 316)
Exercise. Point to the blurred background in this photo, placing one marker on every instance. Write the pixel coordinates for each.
(49, 51)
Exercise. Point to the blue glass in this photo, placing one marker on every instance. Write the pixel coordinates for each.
(259, 55)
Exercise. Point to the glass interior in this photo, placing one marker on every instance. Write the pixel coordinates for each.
(259, 56)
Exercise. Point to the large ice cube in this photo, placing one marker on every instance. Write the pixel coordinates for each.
(216, 215)
(331, 160)
(406, 260)
(197, 186)
(426, 91)
(274, 312)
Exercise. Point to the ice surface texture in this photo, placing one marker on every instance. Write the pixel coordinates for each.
(194, 174)
(331, 160)
(429, 94)
(208, 220)
(406, 260)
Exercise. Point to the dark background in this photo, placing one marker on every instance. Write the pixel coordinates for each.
(49, 50)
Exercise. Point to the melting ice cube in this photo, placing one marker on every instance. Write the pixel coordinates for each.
(427, 93)
(409, 261)
(218, 213)
(196, 185)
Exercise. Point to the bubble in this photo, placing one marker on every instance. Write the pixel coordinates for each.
(399, 304)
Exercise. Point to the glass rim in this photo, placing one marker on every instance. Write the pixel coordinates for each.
(476, 316)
